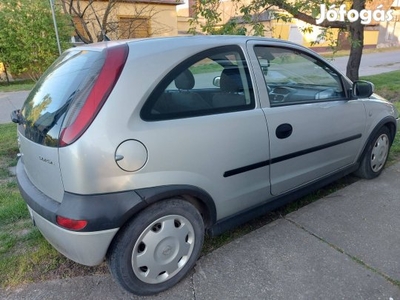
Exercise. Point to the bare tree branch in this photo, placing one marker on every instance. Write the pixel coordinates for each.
(92, 21)
(106, 15)
(296, 13)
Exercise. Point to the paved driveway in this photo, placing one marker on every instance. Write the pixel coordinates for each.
(9, 102)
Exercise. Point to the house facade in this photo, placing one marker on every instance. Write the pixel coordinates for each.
(376, 33)
(151, 18)
(122, 19)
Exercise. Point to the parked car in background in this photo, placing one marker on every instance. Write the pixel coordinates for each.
(132, 150)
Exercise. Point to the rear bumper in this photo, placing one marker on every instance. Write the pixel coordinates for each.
(86, 248)
(105, 214)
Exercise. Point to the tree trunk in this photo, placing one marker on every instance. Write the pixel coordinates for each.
(356, 30)
(357, 43)
(5, 71)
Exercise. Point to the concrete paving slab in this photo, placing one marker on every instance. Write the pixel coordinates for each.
(362, 219)
(283, 261)
(98, 287)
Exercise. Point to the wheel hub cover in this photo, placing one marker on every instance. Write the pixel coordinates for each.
(163, 249)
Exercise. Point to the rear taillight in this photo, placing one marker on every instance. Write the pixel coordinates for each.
(71, 223)
(91, 98)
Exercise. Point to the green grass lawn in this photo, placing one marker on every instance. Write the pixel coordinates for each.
(18, 239)
(15, 86)
(26, 257)
(387, 85)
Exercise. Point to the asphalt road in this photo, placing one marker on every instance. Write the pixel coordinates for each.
(372, 63)
(9, 102)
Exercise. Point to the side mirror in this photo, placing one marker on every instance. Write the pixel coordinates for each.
(363, 89)
(217, 81)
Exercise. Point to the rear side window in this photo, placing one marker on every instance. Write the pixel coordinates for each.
(210, 82)
(45, 108)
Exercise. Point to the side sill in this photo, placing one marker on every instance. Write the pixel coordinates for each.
(257, 211)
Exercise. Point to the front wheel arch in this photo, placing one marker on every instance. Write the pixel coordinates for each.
(390, 123)
(375, 154)
(392, 129)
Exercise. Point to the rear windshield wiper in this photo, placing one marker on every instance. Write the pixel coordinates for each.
(16, 116)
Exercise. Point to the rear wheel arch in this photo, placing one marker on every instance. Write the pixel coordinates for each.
(157, 247)
(199, 198)
(201, 207)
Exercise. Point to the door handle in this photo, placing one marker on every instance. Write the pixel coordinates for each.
(283, 131)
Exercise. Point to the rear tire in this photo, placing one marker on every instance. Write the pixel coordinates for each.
(157, 248)
(376, 155)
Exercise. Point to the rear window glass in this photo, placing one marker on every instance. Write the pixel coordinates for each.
(44, 110)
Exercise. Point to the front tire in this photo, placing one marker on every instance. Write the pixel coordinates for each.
(157, 248)
(376, 155)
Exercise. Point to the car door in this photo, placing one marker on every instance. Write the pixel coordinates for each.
(200, 133)
(314, 129)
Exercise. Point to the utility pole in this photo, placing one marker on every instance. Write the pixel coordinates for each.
(55, 25)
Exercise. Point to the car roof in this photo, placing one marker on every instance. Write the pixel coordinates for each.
(181, 41)
(207, 39)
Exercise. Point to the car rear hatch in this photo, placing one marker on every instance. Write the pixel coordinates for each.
(62, 106)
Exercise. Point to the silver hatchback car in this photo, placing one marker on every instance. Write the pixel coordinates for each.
(132, 150)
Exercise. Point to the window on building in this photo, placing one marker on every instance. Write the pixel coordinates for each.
(79, 27)
(133, 27)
